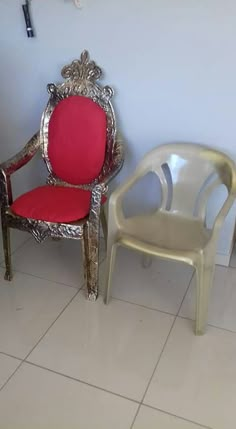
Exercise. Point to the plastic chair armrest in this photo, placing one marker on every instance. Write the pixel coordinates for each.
(222, 214)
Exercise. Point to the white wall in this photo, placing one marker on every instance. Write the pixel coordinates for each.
(171, 62)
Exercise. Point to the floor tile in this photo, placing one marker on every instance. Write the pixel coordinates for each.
(222, 302)
(161, 286)
(114, 347)
(148, 418)
(7, 366)
(196, 377)
(59, 261)
(41, 399)
(18, 238)
(28, 306)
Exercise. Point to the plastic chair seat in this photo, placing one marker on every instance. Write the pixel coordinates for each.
(166, 231)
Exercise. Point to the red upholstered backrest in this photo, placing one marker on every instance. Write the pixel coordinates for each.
(77, 140)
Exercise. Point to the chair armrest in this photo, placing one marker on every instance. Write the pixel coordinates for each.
(100, 188)
(95, 206)
(222, 214)
(12, 165)
(115, 164)
(115, 210)
(117, 196)
(21, 158)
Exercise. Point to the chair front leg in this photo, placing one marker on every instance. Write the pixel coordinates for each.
(91, 260)
(85, 253)
(7, 249)
(91, 242)
(205, 276)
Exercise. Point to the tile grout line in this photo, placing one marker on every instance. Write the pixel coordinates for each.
(162, 351)
(9, 378)
(101, 389)
(93, 386)
(62, 311)
(222, 329)
(123, 300)
(2, 265)
(175, 318)
(178, 417)
(24, 360)
(17, 248)
(20, 246)
(144, 306)
(2, 261)
(48, 280)
(193, 274)
(59, 315)
(45, 279)
(78, 380)
(65, 375)
(158, 360)
(193, 320)
(208, 324)
(11, 356)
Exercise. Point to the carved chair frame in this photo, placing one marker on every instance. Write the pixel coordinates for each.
(80, 79)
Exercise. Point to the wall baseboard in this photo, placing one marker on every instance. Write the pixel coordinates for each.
(223, 259)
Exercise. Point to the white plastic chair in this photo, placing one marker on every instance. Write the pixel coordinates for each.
(188, 174)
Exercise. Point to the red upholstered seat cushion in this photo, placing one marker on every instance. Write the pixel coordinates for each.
(77, 140)
(53, 204)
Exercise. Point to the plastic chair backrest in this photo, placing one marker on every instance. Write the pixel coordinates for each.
(188, 173)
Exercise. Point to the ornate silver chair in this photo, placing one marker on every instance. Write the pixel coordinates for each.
(78, 141)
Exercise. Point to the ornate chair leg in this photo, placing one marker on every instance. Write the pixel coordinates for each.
(104, 225)
(85, 254)
(91, 261)
(7, 250)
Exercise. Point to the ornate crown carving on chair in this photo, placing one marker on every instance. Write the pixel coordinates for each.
(78, 141)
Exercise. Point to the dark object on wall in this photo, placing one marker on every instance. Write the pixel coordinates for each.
(26, 10)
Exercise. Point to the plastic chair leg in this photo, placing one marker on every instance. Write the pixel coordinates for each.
(205, 275)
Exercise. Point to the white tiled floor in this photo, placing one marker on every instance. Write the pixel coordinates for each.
(154, 419)
(162, 286)
(67, 362)
(8, 365)
(114, 347)
(54, 401)
(58, 261)
(18, 238)
(28, 306)
(222, 303)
